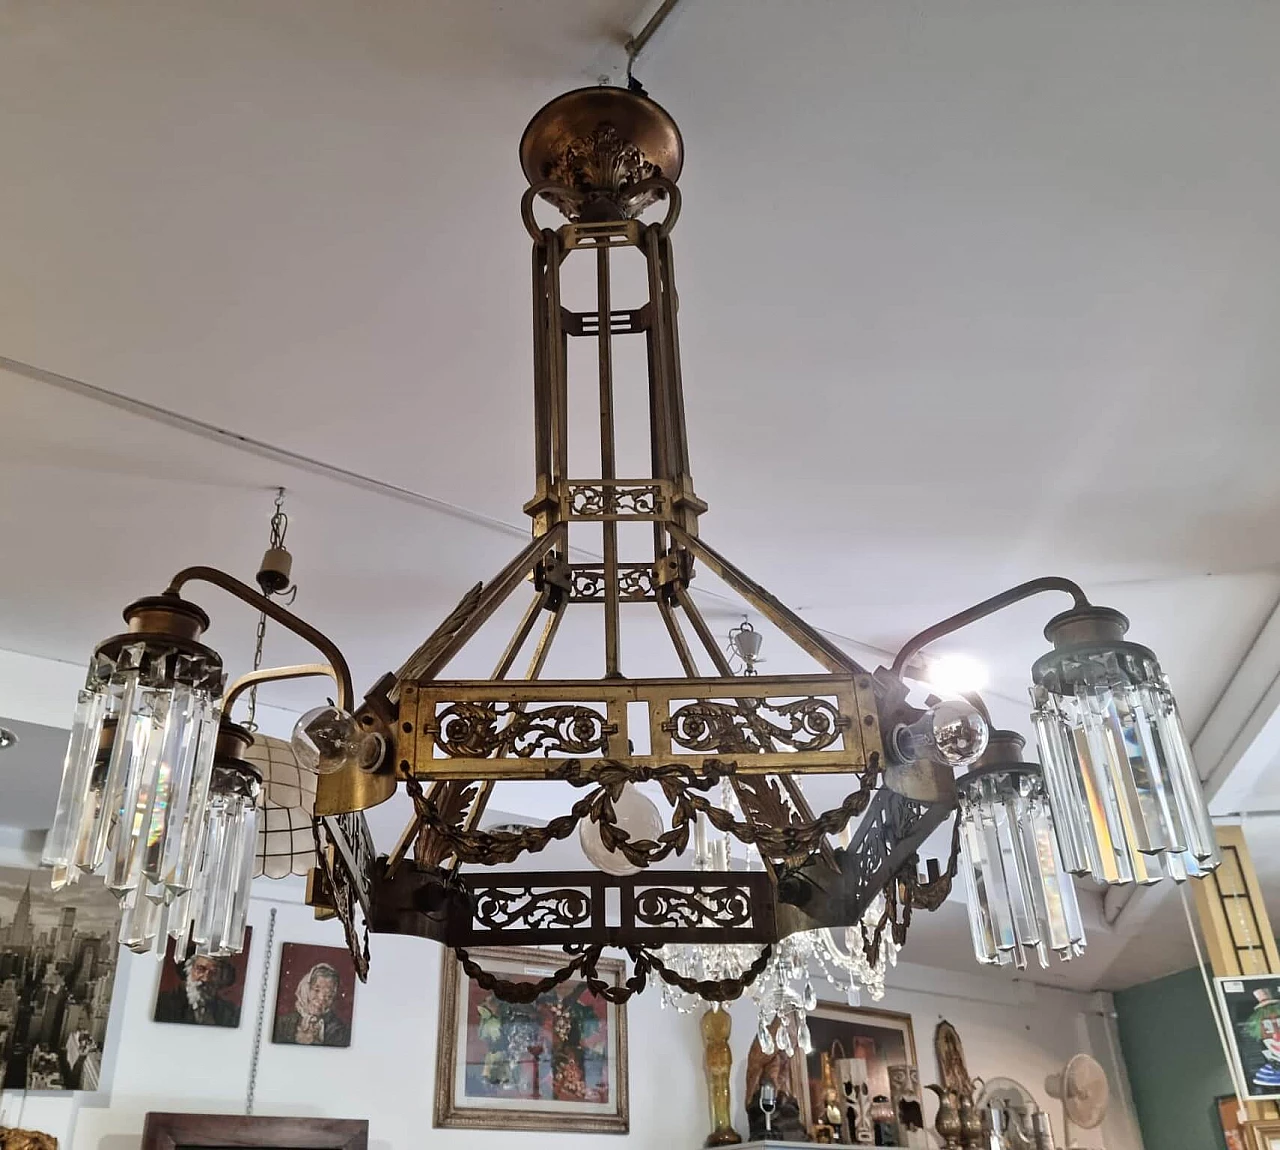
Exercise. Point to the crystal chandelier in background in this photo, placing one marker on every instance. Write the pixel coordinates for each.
(784, 990)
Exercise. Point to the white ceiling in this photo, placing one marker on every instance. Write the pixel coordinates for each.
(971, 293)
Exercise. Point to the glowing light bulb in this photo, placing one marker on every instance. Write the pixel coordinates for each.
(955, 674)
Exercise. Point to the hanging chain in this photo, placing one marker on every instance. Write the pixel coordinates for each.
(252, 1091)
(279, 528)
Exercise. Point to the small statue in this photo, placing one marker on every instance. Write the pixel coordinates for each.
(830, 1112)
(716, 1026)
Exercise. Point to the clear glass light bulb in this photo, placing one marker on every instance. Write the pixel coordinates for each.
(327, 740)
(952, 733)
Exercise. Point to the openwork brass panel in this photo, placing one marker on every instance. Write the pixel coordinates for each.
(573, 907)
(588, 582)
(616, 499)
(519, 729)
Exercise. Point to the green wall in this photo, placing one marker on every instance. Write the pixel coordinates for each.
(1175, 1062)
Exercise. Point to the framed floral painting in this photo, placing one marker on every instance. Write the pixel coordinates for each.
(557, 1063)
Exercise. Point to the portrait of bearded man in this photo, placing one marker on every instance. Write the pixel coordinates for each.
(200, 998)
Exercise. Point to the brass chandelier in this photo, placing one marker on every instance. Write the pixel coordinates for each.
(159, 795)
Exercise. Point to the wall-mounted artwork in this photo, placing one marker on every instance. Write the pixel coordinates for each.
(557, 1063)
(202, 991)
(872, 1039)
(315, 997)
(57, 971)
(1251, 1005)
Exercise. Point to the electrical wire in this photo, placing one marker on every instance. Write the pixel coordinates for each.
(1237, 1077)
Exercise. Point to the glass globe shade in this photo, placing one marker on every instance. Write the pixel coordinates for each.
(637, 816)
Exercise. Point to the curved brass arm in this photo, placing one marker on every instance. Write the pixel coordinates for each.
(274, 675)
(982, 610)
(273, 610)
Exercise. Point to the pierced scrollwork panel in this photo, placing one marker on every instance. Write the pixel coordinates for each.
(572, 908)
(756, 725)
(793, 724)
(498, 908)
(616, 500)
(588, 583)
(718, 906)
(481, 730)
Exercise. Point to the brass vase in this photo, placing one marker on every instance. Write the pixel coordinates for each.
(947, 1124)
(971, 1128)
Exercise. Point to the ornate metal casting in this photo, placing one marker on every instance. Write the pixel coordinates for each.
(574, 908)
(482, 730)
(604, 156)
(707, 725)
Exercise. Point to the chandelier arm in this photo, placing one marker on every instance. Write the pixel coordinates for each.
(407, 838)
(454, 791)
(917, 643)
(796, 629)
(518, 640)
(474, 610)
(274, 675)
(273, 610)
(678, 641)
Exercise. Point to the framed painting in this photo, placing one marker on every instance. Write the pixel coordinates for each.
(315, 997)
(57, 972)
(202, 990)
(880, 1038)
(168, 1131)
(1228, 1111)
(1251, 1006)
(557, 1063)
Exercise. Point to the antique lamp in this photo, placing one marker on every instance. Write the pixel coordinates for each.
(1020, 896)
(605, 157)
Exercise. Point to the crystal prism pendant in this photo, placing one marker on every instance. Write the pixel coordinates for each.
(1117, 764)
(134, 801)
(1020, 895)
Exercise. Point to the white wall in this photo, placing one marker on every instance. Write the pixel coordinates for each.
(1008, 1028)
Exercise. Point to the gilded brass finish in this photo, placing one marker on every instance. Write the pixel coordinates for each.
(272, 610)
(274, 675)
(594, 146)
(166, 615)
(604, 156)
